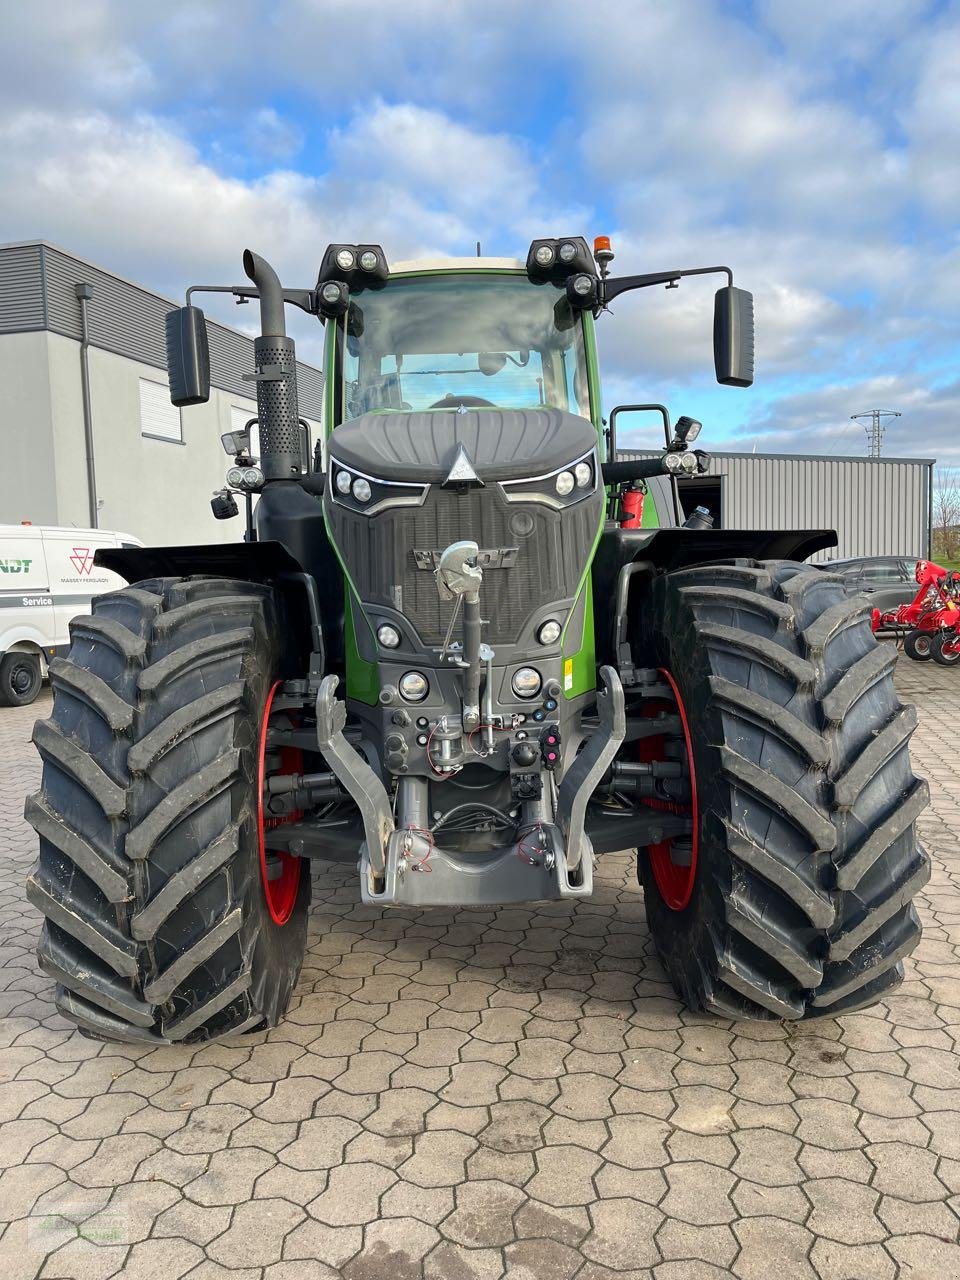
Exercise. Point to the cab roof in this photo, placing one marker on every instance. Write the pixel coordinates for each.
(456, 264)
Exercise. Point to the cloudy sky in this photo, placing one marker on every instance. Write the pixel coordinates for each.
(811, 146)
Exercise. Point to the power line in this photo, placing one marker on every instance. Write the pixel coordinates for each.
(876, 429)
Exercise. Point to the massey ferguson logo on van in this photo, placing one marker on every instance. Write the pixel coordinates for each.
(15, 566)
(82, 560)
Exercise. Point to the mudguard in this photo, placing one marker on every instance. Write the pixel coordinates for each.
(254, 561)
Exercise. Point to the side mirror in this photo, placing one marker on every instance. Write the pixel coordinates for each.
(491, 362)
(733, 336)
(188, 356)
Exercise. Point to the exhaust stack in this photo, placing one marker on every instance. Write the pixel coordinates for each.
(275, 359)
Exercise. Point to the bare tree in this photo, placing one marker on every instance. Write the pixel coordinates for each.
(946, 514)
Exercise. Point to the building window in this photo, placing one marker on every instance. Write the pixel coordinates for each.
(159, 419)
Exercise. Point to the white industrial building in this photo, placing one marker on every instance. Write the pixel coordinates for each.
(155, 466)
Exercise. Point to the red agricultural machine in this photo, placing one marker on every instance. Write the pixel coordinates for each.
(930, 624)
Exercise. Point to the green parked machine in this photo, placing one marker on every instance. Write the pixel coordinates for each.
(453, 652)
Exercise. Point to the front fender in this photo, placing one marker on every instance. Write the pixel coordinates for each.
(252, 561)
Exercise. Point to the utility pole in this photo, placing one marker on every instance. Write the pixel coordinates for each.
(876, 428)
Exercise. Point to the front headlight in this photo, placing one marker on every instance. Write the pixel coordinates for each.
(572, 483)
(526, 682)
(367, 495)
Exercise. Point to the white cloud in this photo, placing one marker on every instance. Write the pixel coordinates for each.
(807, 149)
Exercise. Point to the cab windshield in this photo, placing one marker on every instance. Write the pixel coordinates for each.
(441, 341)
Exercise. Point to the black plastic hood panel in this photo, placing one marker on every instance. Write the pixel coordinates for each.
(502, 444)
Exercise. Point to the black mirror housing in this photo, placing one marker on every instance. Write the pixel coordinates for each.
(733, 336)
(188, 356)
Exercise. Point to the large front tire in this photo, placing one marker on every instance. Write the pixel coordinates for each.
(157, 925)
(806, 857)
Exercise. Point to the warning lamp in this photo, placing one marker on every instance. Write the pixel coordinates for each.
(602, 252)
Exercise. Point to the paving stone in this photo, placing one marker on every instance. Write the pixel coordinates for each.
(300, 1270)
(622, 1234)
(541, 1260)
(906, 1217)
(200, 1223)
(844, 1211)
(317, 1240)
(637, 1141)
(484, 1214)
(229, 1176)
(921, 1257)
(449, 1261)
(22, 1186)
(699, 1194)
(565, 1176)
(770, 1247)
(515, 1126)
(428, 1204)
(544, 1222)
(438, 1159)
(835, 1261)
(256, 1233)
(905, 1171)
(352, 1195)
(168, 1258)
(682, 1240)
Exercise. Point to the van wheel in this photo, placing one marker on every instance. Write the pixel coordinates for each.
(165, 917)
(20, 679)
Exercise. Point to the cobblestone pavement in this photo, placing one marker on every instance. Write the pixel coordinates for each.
(470, 1095)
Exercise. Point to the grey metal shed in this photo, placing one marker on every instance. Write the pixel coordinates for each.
(878, 506)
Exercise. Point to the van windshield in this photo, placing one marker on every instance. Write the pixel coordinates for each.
(438, 341)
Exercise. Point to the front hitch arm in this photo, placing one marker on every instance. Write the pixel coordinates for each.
(584, 775)
(358, 779)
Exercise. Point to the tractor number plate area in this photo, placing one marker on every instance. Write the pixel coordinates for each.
(495, 558)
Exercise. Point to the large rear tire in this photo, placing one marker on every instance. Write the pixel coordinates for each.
(805, 858)
(157, 925)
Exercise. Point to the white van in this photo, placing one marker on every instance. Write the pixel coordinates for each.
(47, 577)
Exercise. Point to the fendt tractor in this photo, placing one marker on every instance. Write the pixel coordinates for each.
(466, 649)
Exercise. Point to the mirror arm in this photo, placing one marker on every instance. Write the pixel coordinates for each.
(305, 299)
(613, 286)
(635, 408)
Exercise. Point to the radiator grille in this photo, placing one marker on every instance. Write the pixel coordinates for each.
(378, 552)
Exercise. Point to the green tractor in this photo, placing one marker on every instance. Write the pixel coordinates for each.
(453, 652)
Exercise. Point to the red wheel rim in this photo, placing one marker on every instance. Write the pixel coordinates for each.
(280, 892)
(674, 881)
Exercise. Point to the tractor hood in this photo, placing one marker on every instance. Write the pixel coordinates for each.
(500, 444)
